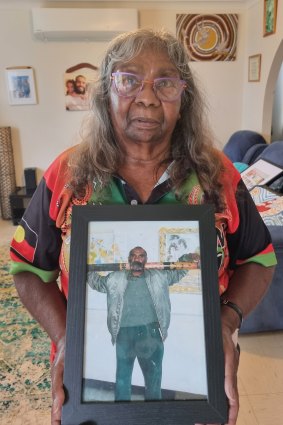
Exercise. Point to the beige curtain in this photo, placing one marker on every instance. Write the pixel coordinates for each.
(7, 171)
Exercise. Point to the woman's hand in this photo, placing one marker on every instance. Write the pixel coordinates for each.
(58, 395)
(231, 363)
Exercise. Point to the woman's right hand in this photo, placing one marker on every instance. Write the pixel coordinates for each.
(58, 394)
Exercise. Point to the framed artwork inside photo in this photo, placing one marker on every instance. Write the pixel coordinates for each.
(144, 340)
(270, 16)
(260, 173)
(21, 85)
(254, 68)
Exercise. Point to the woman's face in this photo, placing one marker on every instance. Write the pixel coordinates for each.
(70, 87)
(144, 118)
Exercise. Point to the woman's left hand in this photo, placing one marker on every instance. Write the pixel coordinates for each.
(231, 363)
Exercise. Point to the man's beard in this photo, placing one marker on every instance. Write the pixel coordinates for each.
(80, 90)
(137, 266)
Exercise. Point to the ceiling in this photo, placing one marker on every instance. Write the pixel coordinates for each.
(152, 1)
(124, 1)
(14, 3)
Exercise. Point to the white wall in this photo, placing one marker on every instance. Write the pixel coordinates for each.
(42, 131)
(39, 131)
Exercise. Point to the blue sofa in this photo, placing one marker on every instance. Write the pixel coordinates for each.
(268, 315)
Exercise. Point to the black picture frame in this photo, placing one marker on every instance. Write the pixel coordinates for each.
(212, 407)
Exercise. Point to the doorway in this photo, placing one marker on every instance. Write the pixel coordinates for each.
(270, 98)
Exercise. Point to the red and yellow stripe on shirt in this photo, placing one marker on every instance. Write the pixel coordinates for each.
(24, 243)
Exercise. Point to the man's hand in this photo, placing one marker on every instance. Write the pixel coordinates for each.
(58, 395)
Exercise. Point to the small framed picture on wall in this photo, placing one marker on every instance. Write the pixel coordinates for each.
(254, 68)
(21, 85)
(270, 15)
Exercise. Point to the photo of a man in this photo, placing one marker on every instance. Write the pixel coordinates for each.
(138, 318)
(144, 323)
(80, 84)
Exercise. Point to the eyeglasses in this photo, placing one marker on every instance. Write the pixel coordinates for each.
(130, 85)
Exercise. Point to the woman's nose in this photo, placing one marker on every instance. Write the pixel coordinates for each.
(147, 95)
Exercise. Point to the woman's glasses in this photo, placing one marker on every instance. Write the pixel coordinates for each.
(129, 85)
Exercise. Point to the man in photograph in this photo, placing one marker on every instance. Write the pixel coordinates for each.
(77, 99)
(80, 85)
(138, 319)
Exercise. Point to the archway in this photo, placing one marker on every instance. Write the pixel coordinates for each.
(269, 92)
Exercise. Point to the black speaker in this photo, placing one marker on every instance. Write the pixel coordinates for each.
(30, 179)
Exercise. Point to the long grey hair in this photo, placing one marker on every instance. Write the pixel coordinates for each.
(98, 156)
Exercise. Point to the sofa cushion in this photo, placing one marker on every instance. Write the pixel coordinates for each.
(268, 315)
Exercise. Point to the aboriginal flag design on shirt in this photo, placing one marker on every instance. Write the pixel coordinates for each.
(37, 240)
(24, 242)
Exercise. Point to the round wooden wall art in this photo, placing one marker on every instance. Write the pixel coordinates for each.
(208, 37)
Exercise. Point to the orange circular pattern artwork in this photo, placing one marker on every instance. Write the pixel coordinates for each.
(209, 37)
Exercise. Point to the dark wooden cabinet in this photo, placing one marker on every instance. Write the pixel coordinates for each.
(19, 200)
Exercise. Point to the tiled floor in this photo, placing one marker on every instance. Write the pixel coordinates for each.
(261, 379)
(260, 372)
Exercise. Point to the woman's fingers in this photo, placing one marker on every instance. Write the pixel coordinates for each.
(58, 394)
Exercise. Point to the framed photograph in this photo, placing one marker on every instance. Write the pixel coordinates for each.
(254, 68)
(21, 86)
(260, 173)
(144, 342)
(270, 15)
(78, 81)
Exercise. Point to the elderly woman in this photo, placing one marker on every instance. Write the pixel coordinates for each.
(147, 143)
